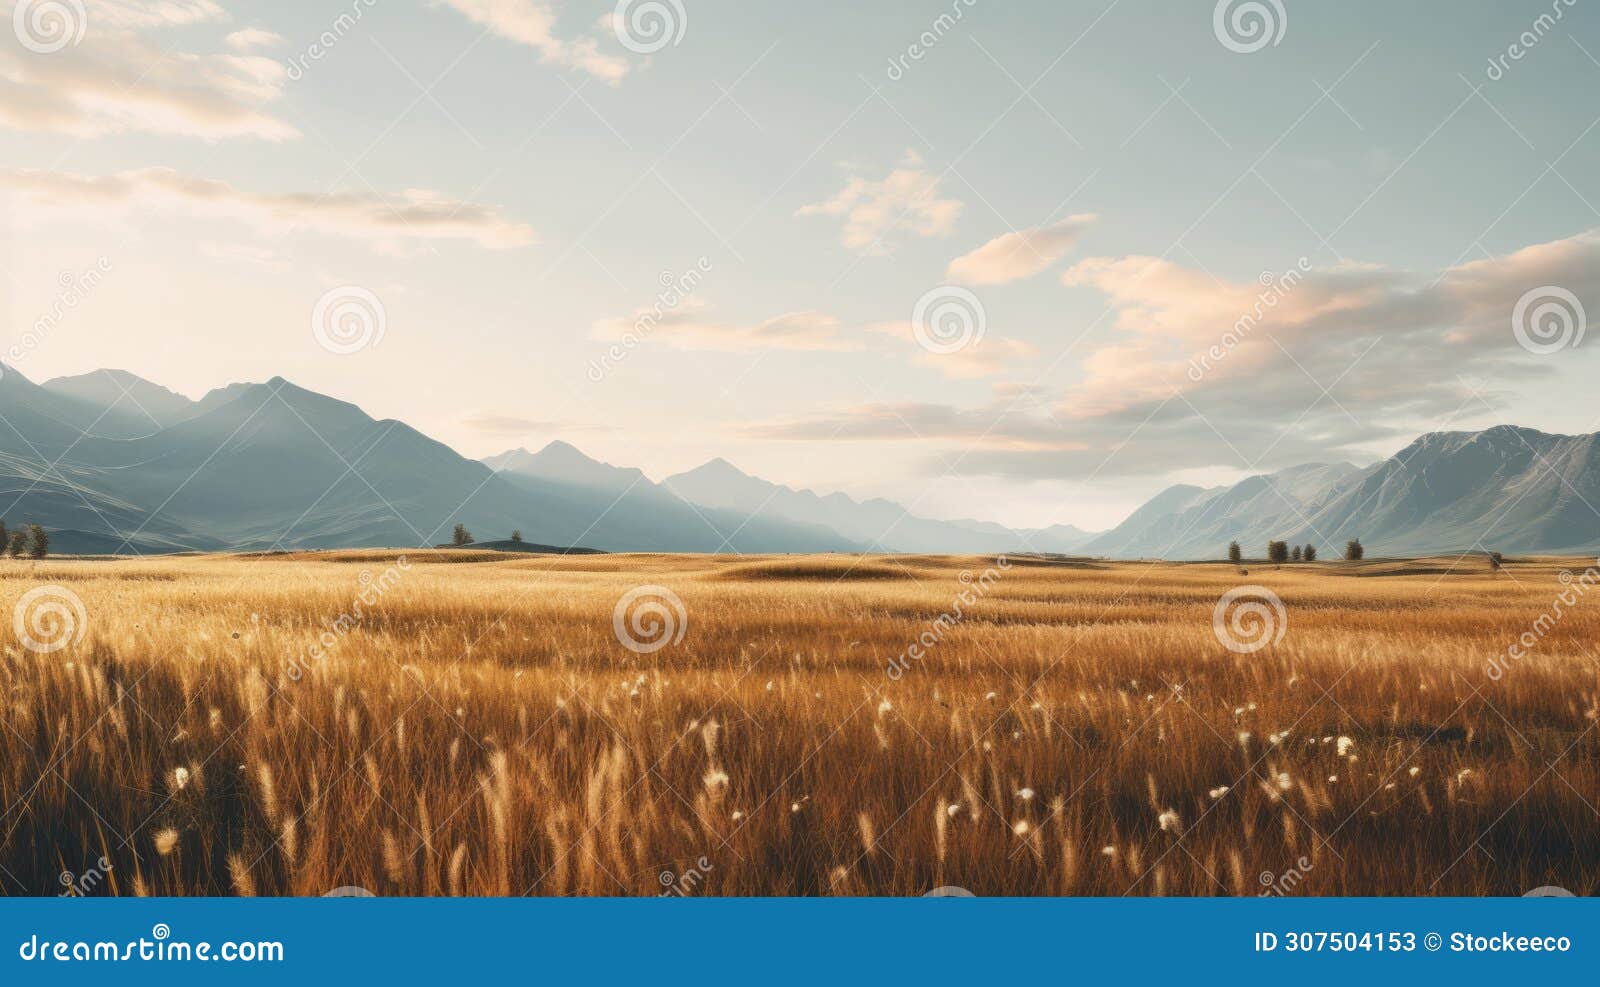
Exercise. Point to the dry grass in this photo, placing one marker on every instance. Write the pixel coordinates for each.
(479, 730)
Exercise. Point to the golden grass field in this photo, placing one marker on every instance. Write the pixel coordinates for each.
(475, 727)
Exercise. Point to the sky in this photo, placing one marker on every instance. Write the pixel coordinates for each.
(1025, 261)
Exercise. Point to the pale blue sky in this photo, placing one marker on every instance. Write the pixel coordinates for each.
(512, 182)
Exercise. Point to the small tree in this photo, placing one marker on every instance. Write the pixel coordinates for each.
(1235, 553)
(1311, 552)
(19, 543)
(1353, 550)
(516, 535)
(1496, 560)
(1297, 554)
(1278, 552)
(5, 540)
(39, 542)
(461, 536)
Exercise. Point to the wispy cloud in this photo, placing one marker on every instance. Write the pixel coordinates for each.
(907, 200)
(1019, 255)
(117, 80)
(690, 327)
(412, 215)
(503, 426)
(981, 358)
(252, 38)
(1396, 352)
(533, 23)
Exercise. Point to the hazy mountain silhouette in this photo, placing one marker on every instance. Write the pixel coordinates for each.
(644, 516)
(109, 462)
(881, 524)
(1504, 489)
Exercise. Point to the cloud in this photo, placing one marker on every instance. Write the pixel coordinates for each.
(1015, 256)
(251, 38)
(412, 215)
(1207, 373)
(511, 426)
(907, 200)
(987, 356)
(152, 13)
(688, 327)
(115, 81)
(532, 23)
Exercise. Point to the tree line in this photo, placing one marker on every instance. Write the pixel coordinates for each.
(29, 542)
(1279, 552)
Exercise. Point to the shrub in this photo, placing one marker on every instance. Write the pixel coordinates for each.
(1353, 551)
(1235, 553)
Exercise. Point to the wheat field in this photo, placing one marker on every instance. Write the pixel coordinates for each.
(476, 723)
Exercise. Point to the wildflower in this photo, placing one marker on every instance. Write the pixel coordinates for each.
(716, 779)
(737, 815)
(1219, 791)
(1169, 821)
(1415, 771)
(953, 810)
(180, 778)
(885, 707)
(1020, 827)
(1284, 781)
(991, 697)
(1025, 794)
(1332, 779)
(1108, 851)
(1346, 745)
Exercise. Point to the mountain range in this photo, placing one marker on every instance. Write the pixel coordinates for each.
(112, 463)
